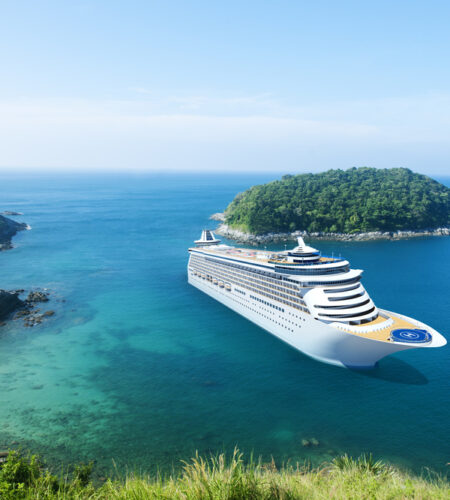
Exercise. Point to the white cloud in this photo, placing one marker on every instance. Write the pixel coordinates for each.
(230, 133)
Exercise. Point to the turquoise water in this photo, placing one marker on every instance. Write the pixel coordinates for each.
(140, 368)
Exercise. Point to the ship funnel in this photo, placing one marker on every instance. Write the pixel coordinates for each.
(303, 249)
(301, 243)
(207, 238)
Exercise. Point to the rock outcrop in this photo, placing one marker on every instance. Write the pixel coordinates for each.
(31, 314)
(26, 310)
(37, 296)
(219, 216)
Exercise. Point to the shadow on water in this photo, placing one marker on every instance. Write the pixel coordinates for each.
(396, 371)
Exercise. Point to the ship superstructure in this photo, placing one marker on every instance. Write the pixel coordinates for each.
(315, 303)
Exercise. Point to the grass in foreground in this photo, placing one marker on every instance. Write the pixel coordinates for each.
(219, 478)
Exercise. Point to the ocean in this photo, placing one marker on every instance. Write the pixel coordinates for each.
(139, 369)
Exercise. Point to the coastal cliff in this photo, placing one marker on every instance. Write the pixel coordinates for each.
(8, 229)
(9, 302)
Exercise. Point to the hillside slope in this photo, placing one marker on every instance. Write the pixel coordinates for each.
(221, 479)
(342, 201)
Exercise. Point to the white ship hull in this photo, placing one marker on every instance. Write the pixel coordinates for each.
(317, 339)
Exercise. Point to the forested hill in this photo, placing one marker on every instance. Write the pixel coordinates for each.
(343, 201)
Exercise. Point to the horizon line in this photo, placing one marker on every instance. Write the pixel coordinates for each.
(5, 170)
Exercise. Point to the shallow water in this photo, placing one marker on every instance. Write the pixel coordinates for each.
(140, 368)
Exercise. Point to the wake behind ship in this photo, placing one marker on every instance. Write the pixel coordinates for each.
(316, 304)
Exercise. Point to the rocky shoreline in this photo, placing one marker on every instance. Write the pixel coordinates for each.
(219, 216)
(11, 306)
(254, 239)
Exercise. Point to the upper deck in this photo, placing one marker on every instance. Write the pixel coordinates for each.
(268, 257)
(306, 273)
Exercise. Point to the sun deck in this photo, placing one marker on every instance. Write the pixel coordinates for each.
(241, 253)
(382, 334)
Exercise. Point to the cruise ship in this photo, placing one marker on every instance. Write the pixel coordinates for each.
(314, 303)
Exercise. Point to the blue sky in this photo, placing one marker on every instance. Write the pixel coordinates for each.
(287, 86)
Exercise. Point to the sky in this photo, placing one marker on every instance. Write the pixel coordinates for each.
(263, 85)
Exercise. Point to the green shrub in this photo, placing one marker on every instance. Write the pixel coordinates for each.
(365, 463)
(17, 474)
(82, 473)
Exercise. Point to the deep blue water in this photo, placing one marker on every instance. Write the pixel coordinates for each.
(140, 368)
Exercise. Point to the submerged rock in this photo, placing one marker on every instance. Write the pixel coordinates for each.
(22, 313)
(33, 319)
(314, 442)
(310, 442)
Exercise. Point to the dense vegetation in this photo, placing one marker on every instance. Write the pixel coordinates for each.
(345, 478)
(343, 201)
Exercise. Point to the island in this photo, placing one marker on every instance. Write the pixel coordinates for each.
(8, 229)
(358, 203)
